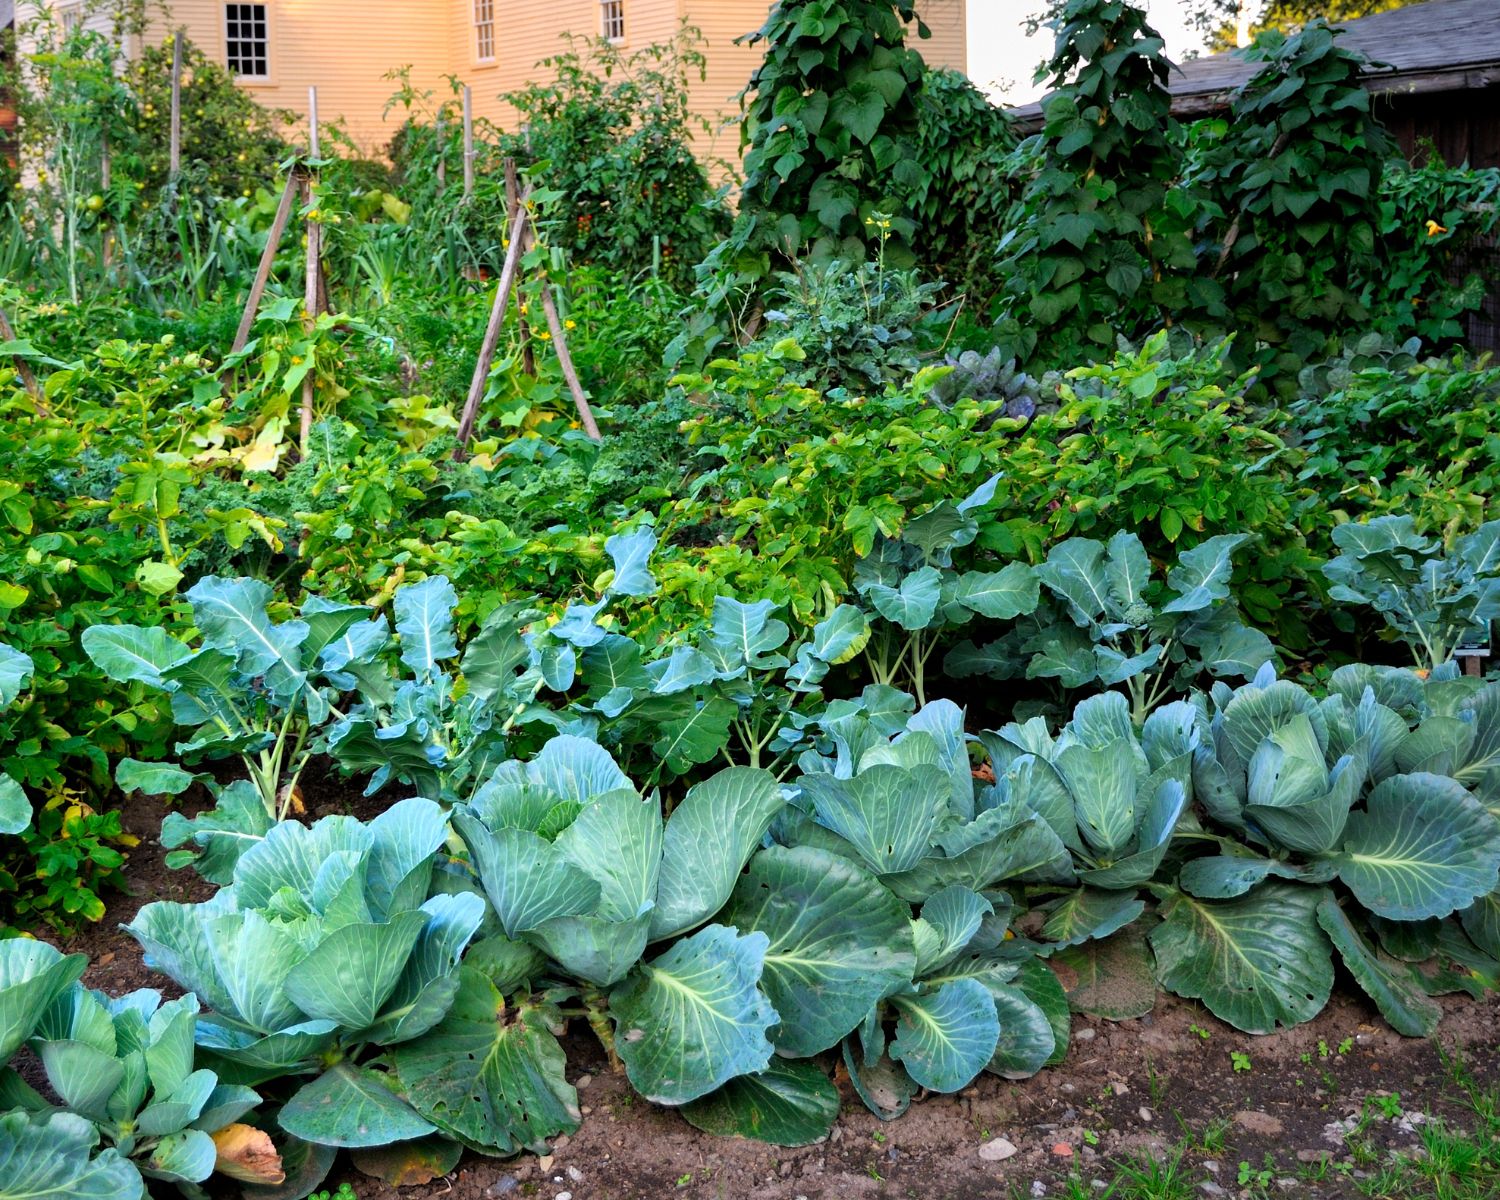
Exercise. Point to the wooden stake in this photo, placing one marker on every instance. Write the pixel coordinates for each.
(565, 360)
(468, 143)
(104, 180)
(560, 341)
(314, 269)
(442, 151)
(310, 294)
(23, 368)
(174, 162)
(492, 330)
(267, 258)
(512, 203)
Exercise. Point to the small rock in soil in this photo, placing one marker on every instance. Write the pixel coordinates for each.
(1119, 1089)
(1209, 1188)
(1038, 1188)
(506, 1183)
(1313, 1156)
(1144, 1112)
(1062, 1150)
(1211, 1166)
(1085, 1035)
(563, 1196)
(561, 1143)
(583, 1081)
(997, 1150)
(1261, 1123)
(575, 1174)
(544, 1164)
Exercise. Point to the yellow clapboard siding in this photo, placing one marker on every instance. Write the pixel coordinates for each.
(346, 47)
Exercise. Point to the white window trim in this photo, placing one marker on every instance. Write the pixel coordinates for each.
(604, 29)
(485, 60)
(269, 78)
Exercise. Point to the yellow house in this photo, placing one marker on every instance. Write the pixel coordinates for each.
(279, 48)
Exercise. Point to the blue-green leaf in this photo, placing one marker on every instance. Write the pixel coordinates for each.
(694, 1018)
(945, 1038)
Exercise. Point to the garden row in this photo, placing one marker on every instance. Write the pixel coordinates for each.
(855, 881)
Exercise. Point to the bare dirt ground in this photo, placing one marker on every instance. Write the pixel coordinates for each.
(1142, 1087)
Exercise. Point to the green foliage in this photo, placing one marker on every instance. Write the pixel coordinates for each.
(1108, 623)
(1386, 430)
(1430, 218)
(1296, 177)
(963, 144)
(612, 135)
(1090, 253)
(859, 326)
(831, 125)
(126, 1066)
(1433, 600)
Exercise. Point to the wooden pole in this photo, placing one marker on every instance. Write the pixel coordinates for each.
(104, 180)
(468, 142)
(442, 151)
(492, 330)
(565, 360)
(268, 258)
(23, 368)
(560, 339)
(174, 166)
(309, 320)
(512, 204)
(314, 271)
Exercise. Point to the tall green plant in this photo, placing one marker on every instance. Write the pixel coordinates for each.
(831, 123)
(1088, 253)
(1298, 174)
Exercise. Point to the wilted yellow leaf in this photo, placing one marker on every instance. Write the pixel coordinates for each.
(247, 1154)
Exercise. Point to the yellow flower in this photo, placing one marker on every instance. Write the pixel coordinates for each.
(570, 324)
(544, 335)
(1433, 229)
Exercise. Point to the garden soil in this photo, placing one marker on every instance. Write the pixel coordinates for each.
(1145, 1087)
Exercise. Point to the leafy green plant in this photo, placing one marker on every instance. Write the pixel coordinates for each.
(612, 134)
(250, 690)
(1113, 624)
(126, 1066)
(1089, 251)
(333, 940)
(1432, 599)
(1385, 429)
(16, 670)
(1339, 789)
(830, 124)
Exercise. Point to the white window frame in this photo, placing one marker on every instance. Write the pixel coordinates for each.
(70, 18)
(612, 21)
(243, 76)
(484, 30)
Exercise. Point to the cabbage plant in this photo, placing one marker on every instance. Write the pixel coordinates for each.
(888, 931)
(126, 1066)
(1317, 793)
(1432, 599)
(251, 689)
(1109, 623)
(336, 944)
(15, 673)
(577, 864)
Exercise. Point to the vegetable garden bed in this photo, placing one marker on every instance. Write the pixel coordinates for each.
(1176, 1064)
